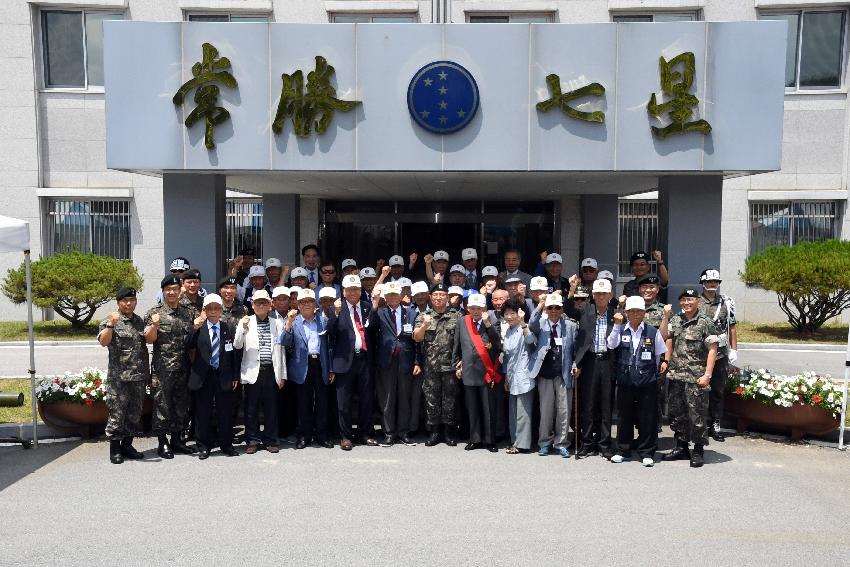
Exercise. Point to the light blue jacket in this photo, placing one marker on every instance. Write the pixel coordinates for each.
(541, 328)
(516, 351)
(297, 352)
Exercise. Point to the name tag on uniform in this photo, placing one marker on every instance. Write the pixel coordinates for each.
(559, 341)
(646, 355)
(228, 347)
(407, 328)
(624, 339)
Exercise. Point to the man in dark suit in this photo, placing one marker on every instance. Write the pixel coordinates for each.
(352, 341)
(213, 377)
(395, 357)
(477, 344)
(595, 362)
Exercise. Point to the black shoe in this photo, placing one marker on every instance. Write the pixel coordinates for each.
(470, 446)
(301, 443)
(492, 448)
(230, 452)
(587, 451)
(433, 439)
(697, 459)
(387, 441)
(607, 454)
(366, 441)
(716, 434)
(327, 444)
(164, 450)
(129, 451)
(203, 452)
(115, 456)
(680, 453)
(179, 446)
(405, 440)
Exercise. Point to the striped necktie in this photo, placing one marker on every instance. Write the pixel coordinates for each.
(214, 347)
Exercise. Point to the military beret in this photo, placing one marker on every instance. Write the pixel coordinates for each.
(226, 280)
(170, 279)
(639, 256)
(649, 279)
(192, 274)
(124, 293)
(688, 292)
(439, 287)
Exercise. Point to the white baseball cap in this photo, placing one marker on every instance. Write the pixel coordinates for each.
(351, 280)
(476, 300)
(368, 273)
(272, 263)
(606, 275)
(489, 271)
(554, 257)
(280, 290)
(419, 287)
(635, 302)
(349, 262)
(212, 298)
(396, 260)
(601, 286)
(390, 287)
(299, 272)
(469, 254)
(554, 299)
(294, 289)
(261, 294)
(327, 291)
(306, 294)
(458, 268)
(404, 282)
(538, 283)
(589, 263)
(455, 290)
(256, 271)
(441, 255)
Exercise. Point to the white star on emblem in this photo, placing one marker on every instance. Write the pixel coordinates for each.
(443, 119)
(443, 105)
(461, 113)
(443, 75)
(428, 82)
(443, 90)
(424, 113)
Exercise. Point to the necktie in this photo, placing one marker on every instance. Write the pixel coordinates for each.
(359, 328)
(397, 348)
(312, 277)
(214, 347)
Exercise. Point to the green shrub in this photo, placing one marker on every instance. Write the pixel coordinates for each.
(811, 280)
(72, 283)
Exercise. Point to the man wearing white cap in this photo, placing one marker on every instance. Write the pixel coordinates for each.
(257, 281)
(436, 267)
(349, 266)
(554, 265)
(475, 355)
(638, 352)
(469, 256)
(298, 278)
(213, 377)
(287, 408)
(350, 332)
(595, 362)
(538, 286)
(274, 272)
(589, 271)
(396, 264)
(421, 297)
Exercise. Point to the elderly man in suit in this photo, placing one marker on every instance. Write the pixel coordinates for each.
(351, 341)
(596, 366)
(477, 344)
(213, 377)
(262, 372)
(553, 365)
(305, 337)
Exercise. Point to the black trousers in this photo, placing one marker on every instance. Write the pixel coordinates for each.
(596, 389)
(313, 403)
(287, 410)
(207, 398)
(718, 390)
(357, 379)
(637, 406)
(262, 393)
(481, 402)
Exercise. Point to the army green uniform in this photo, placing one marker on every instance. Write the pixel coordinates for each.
(720, 312)
(169, 368)
(194, 307)
(654, 314)
(440, 383)
(233, 315)
(126, 376)
(688, 404)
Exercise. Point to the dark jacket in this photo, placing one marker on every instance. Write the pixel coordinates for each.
(387, 340)
(586, 317)
(227, 370)
(341, 336)
(464, 349)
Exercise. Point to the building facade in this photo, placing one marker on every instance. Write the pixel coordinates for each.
(55, 148)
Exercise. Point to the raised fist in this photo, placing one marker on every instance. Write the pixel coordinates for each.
(658, 256)
(490, 286)
(201, 319)
(237, 262)
(438, 278)
(293, 313)
(426, 320)
(428, 258)
(338, 306)
(114, 317)
(384, 269)
(541, 300)
(574, 281)
(618, 318)
(245, 320)
(622, 299)
(668, 309)
(155, 319)
(520, 314)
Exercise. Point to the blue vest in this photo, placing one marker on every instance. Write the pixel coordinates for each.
(632, 368)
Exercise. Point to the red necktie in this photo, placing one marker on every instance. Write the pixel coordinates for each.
(359, 328)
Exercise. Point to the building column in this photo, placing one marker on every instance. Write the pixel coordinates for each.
(600, 233)
(689, 221)
(570, 232)
(194, 222)
(280, 228)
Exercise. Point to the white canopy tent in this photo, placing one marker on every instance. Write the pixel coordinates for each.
(15, 237)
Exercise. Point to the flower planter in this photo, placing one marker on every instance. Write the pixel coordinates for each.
(799, 419)
(80, 418)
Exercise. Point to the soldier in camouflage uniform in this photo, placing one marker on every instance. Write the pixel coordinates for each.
(691, 352)
(435, 329)
(232, 313)
(657, 315)
(169, 326)
(123, 334)
(192, 298)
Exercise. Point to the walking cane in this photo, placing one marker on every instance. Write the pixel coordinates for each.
(575, 411)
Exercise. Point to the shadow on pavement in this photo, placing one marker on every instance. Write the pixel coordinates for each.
(17, 463)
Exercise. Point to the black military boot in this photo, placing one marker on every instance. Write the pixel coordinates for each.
(449, 435)
(129, 451)
(716, 434)
(680, 453)
(179, 446)
(115, 456)
(164, 450)
(433, 438)
(697, 459)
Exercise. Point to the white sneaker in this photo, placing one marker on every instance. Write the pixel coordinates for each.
(617, 458)
(647, 462)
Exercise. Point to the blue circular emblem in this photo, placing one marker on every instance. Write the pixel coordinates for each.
(442, 97)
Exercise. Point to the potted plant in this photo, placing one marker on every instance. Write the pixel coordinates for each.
(802, 403)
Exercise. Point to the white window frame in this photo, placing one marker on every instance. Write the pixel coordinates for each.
(814, 90)
(696, 14)
(230, 15)
(332, 16)
(42, 56)
(550, 16)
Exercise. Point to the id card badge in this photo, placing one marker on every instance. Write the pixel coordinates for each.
(559, 341)
(646, 355)
(228, 347)
(625, 339)
(407, 328)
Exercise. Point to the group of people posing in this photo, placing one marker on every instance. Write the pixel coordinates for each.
(493, 353)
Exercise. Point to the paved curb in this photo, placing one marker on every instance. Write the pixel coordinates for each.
(74, 343)
(24, 431)
(794, 346)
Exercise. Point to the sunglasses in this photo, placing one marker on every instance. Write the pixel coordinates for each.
(554, 308)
